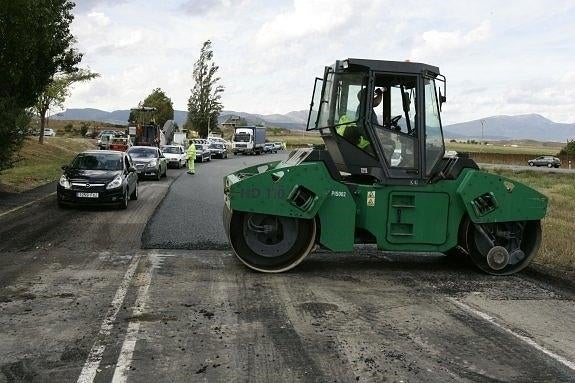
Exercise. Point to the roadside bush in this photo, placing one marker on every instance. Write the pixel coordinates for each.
(84, 129)
(14, 123)
(68, 128)
(568, 150)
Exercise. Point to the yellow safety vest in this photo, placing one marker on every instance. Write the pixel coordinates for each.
(346, 122)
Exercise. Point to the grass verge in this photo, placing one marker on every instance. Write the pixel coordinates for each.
(558, 248)
(297, 140)
(39, 164)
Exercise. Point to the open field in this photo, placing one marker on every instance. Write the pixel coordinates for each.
(499, 148)
(530, 149)
(295, 140)
(40, 164)
(558, 248)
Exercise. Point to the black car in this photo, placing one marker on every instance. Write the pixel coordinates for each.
(218, 150)
(549, 161)
(98, 177)
(149, 161)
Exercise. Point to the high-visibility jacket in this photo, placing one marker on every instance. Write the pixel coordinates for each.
(346, 123)
(192, 151)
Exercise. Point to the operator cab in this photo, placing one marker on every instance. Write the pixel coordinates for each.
(380, 120)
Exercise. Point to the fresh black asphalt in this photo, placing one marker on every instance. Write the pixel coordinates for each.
(190, 216)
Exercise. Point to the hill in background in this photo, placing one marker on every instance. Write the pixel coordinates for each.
(528, 126)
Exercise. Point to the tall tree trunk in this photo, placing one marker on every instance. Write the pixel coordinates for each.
(42, 125)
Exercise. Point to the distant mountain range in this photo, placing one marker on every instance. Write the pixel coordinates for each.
(527, 126)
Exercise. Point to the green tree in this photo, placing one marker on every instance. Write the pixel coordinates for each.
(55, 94)
(569, 149)
(35, 44)
(204, 104)
(164, 108)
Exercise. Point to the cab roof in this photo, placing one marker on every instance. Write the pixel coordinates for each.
(389, 66)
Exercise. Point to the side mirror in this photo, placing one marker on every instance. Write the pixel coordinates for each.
(442, 99)
(65, 167)
(131, 169)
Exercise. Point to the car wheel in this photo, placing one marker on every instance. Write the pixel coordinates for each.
(124, 203)
(134, 195)
(549, 165)
(165, 172)
(530, 163)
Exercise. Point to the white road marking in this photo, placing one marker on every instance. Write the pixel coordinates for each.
(90, 368)
(26, 204)
(525, 339)
(127, 351)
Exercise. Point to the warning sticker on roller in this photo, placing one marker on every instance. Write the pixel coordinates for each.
(371, 198)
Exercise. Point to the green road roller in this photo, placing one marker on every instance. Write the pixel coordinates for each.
(382, 177)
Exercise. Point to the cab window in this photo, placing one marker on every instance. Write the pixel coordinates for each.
(395, 120)
(434, 149)
(345, 103)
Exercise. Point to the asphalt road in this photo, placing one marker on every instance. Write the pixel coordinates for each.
(190, 217)
(81, 301)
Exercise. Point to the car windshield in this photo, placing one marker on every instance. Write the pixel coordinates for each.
(98, 162)
(171, 149)
(216, 146)
(198, 146)
(142, 152)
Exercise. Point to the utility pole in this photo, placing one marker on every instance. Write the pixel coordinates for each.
(482, 127)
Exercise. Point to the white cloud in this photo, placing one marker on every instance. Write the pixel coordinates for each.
(434, 43)
(308, 17)
(98, 19)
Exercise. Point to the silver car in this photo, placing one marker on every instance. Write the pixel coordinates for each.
(149, 161)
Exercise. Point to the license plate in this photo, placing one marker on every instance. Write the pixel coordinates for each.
(87, 195)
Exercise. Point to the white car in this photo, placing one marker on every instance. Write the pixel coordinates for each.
(49, 133)
(175, 155)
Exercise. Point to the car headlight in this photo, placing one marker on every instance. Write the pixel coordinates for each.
(152, 163)
(65, 182)
(116, 182)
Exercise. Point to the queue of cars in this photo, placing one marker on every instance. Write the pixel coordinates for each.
(111, 177)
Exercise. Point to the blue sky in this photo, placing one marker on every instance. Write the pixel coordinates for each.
(513, 57)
